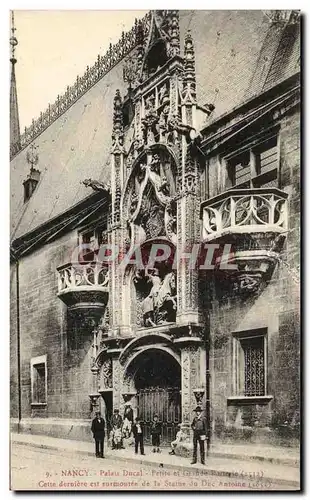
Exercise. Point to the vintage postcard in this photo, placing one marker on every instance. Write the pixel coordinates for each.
(155, 250)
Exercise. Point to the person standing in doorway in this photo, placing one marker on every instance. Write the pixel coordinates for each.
(199, 426)
(128, 421)
(98, 430)
(137, 431)
(117, 423)
(155, 433)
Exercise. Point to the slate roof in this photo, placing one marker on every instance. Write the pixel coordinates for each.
(234, 50)
(75, 147)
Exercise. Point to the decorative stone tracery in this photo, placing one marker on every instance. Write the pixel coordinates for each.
(154, 196)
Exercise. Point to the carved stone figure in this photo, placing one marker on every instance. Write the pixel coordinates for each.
(160, 305)
(166, 304)
(106, 374)
(163, 94)
(155, 164)
(149, 303)
(164, 187)
(95, 185)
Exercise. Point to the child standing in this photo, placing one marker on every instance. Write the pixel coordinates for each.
(155, 433)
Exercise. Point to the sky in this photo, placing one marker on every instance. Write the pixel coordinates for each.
(56, 46)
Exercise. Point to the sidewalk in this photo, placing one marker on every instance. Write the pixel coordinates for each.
(264, 453)
(285, 475)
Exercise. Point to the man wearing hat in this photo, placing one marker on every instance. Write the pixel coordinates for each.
(98, 430)
(137, 430)
(199, 426)
(116, 424)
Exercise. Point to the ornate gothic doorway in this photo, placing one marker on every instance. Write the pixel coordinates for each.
(158, 385)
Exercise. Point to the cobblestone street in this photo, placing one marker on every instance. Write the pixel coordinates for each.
(41, 469)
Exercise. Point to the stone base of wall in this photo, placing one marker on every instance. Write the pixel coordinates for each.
(280, 436)
(78, 430)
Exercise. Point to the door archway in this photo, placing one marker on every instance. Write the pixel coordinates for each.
(157, 379)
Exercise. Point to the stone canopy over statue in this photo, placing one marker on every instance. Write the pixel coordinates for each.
(160, 305)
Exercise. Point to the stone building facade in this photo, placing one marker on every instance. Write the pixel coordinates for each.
(194, 137)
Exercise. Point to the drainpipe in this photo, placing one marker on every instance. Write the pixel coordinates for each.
(208, 403)
(18, 346)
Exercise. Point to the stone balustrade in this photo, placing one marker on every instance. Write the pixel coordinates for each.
(83, 285)
(244, 211)
(75, 275)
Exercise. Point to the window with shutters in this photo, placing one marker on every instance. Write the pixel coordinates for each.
(90, 240)
(249, 352)
(38, 380)
(254, 167)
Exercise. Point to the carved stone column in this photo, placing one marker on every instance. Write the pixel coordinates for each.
(120, 318)
(117, 377)
(193, 377)
(188, 225)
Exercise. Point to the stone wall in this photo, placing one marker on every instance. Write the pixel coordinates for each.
(277, 310)
(43, 330)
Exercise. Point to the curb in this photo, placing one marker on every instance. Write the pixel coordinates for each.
(207, 471)
(288, 462)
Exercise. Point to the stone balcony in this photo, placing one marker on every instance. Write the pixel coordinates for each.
(239, 211)
(83, 285)
(254, 222)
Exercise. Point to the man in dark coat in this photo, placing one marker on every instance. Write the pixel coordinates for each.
(98, 430)
(137, 431)
(199, 426)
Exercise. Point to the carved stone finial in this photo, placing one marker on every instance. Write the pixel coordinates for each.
(13, 40)
(189, 81)
(32, 156)
(15, 143)
(174, 32)
(139, 32)
(118, 129)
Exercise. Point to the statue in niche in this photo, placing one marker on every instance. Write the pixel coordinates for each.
(166, 304)
(163, 94)
(159, 306)
(133, 203)
(150, 105)
(164, 187)
(106, 374)
(155, 164)
(149, 303)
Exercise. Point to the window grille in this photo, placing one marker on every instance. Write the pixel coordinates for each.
(254, 366)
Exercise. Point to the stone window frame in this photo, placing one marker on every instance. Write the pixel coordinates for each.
(251, 145)
(98, 229)
(38, 360)
(237, 337)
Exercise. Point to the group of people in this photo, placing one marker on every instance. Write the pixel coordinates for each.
(123, 428)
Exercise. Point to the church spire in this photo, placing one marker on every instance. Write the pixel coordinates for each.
(14, 117)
